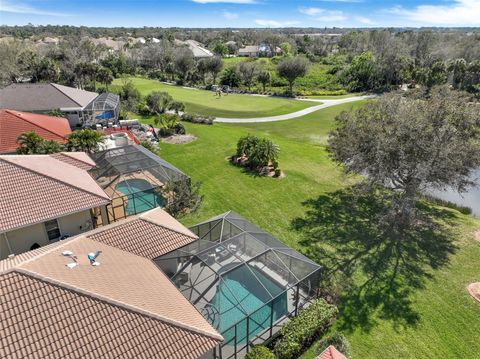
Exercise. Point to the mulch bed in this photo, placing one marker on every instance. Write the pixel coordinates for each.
(474, 290)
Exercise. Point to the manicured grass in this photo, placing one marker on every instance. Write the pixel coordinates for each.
(448, 325)
(232, 105)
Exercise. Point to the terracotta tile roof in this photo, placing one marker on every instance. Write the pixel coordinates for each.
(331, 353)
(77, 159)
(123, 308)
(43, 97)
(37, 188)
(148, 235)
(14, 123)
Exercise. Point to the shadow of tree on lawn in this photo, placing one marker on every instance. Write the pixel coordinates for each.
(379, 269)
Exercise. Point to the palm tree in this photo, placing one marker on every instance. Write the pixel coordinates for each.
(85, 140)
(29, 143)
(50, 146)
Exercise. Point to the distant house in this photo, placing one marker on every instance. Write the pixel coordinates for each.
(46, 197)
(123, 307)
(258, 51)
(198, 49)
(45, 97)
(14, 123)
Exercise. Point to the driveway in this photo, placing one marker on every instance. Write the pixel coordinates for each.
(289, 116)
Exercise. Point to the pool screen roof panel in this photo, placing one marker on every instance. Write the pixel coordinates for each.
(232, 250)
(116, 165)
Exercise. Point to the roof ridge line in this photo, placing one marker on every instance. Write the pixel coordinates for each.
(192, 235)
(42, 127)
(65, 153)
(55, 85)
(116, 303)
(56, 179)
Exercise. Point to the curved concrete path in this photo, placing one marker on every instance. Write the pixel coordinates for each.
(289, 116)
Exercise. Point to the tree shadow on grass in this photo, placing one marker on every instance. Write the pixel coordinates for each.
(378, 269)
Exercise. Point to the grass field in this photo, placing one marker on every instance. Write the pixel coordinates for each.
(448, 324)
(232, 105)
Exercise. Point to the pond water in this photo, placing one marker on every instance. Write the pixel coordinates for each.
(471, 198)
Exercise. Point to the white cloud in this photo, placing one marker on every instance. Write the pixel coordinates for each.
(364, 20)
(275, 23)
(230, 15)
(460, 13)
(225, 1)
(349, 1)
(18, 8)
(332, 18)
(312, 11)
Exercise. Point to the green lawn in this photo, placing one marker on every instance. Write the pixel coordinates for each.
(448, 325)
(232, 105)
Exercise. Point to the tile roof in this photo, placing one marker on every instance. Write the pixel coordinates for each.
(43, 97)
(77, 159)
(331, 353)
(37, 188)
(123, 308)
(14, 123)
(150, 235)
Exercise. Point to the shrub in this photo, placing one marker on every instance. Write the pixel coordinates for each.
(194, 118)
(338, 340)
(259, 151)
(278, 172)
(259, 352)
(299, 333)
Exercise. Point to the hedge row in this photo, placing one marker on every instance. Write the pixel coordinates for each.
(194, 118)
(301, 331)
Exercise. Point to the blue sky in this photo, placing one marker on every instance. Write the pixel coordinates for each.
(242, 13)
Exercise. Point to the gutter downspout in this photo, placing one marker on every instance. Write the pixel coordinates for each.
(8, 243)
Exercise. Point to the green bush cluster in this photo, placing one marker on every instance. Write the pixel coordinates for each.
(338, 340)
(195, 118)
(260, 152)
(259, 352)
(300, 332)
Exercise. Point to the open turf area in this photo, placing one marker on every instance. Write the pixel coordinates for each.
(446, 321)
(233, 105)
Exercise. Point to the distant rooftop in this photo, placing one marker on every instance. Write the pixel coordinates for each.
(44, 97)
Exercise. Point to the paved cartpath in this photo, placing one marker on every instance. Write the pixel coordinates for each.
(289, 116)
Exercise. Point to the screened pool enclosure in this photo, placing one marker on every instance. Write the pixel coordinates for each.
(132, 176)
(103, 109)
(245, 282)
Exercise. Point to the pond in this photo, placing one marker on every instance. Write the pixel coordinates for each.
(470, 198)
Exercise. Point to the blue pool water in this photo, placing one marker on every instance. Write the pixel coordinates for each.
(140, 196)
(253, 298)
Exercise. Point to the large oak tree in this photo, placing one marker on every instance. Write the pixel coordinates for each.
(409, 143)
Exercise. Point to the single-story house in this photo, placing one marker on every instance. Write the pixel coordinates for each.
(78, 105)
(198, 49)
(258, 51)
(46, 197)
(115, 304)
(14, 123)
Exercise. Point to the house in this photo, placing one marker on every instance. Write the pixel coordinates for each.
(14, 123)
(198, 49)
(57, 304)
(258, 51)
(331, 353)
(78, 105)
(46, 197)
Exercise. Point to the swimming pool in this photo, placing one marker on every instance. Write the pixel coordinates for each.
(140, 195)
(235, 287)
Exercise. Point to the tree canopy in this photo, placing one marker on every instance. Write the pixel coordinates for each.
(410, 143)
